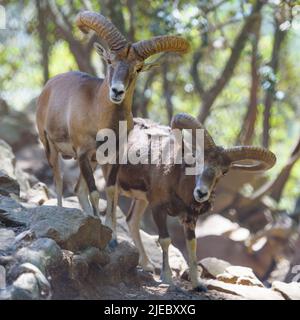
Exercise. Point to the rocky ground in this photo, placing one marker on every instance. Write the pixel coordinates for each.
(47, 252)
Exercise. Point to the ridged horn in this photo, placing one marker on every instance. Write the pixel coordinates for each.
(147, 48)
(103, 27)
(263, 159)
(186, 121)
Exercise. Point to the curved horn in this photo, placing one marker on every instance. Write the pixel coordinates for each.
(103, 27)
(186, 121)
(262, 159)
(147, 48)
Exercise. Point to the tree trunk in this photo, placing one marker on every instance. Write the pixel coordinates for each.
(246, 134)
(43, 36)
(269, 96)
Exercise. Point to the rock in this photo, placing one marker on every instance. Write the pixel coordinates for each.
(12, 178)
(7, 239)
(17, 130)
(12, 213)
(79, 263)
(4, 108)
(72, 202)
(94, 255)
(2, 278)
(44, 285)
(38, 194)
(239, 275)
(26, 287)
(44, 253)
(247, 292)
(8, 185)
(5, 294)
(290, 291)
(7, 159)
(69, 228)
(293, 274)
(24, 179)
(8, 181)
(123, 260)
(211, 267)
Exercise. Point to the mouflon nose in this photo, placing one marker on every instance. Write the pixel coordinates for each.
(117, 92)
(201, 194)
(118, 89)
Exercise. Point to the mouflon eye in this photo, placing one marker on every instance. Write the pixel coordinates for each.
(225, 172)
(138, 68)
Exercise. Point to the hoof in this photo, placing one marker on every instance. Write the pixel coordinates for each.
(148, 267)
(175, 288)
(200, 288)
(113, 244)
(166, 278)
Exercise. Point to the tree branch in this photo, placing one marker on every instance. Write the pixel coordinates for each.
(239, 44)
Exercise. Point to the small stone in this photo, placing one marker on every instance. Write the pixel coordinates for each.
(213, 267)
(38, 194)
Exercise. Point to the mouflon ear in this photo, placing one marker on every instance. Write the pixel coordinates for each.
(149, 66)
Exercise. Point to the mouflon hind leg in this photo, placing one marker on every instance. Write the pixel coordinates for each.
(88, 175)
(53, 160)
(82, 193)
(160, 218)
(133, 219)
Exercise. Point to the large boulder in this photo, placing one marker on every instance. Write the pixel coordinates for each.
(69, 228)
